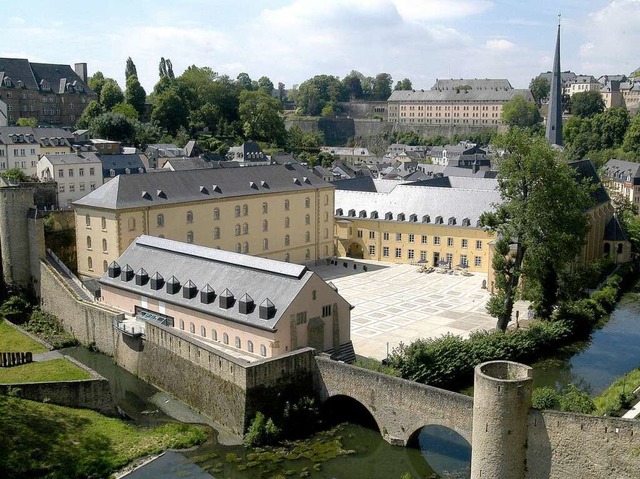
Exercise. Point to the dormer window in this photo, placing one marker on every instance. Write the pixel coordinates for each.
(112, 172)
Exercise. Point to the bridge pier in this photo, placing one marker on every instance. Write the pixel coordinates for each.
(501, 402)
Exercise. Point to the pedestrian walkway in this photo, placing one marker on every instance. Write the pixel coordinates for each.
(68, 279)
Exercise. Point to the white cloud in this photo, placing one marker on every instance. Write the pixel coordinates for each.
(427, 10)
(16, 21)
(499, 44)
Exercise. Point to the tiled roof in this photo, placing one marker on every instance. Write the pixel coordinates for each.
(173, 187)
(262, 279)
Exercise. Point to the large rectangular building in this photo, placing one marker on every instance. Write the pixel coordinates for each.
(282, 212)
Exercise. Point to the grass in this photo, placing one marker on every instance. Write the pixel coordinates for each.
(13, 341)
(55, 370)
(616, 397)
(59, 442)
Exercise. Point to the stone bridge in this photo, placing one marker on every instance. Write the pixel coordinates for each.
(400, 408)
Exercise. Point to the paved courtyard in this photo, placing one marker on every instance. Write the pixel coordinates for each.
(395, 303)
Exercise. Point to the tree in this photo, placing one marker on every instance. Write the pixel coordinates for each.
(135, 95)
(540, 223)
(265, 85)
(127, 110)
(111, 94)
(382, 86)
(113, 126)
(165, 69)
(93, 110)
(31, 122)
(260, 116)
(353, 84)
(404, 85)
(170, 111)
(130, 69)
(244, 81)
(631, 141)
(540, 88)
(16, 174)
(282, 93)
(95, 82)
(520, 112)
(586, 104)
(313, 94)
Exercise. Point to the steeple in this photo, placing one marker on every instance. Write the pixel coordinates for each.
(554, 114)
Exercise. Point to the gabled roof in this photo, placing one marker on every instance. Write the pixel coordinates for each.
(73, 159)
(262, 279)
(462, 95)
(173, 187)
(36, 75)
(120, 163)
(474, 83)
(619, 170)
(613, 231)
(586, 171)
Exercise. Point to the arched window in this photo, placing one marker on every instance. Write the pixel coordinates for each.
(287, 240)
(326, 199)
(216, 213)
(286, 205)
(263, 350)
(237, 210)
(189, 216)
(619, 248)
(203, 331)
(286, 222)
(103, 223)
(245, 248)
(160, 219)
(238, 343)
(87, 220)
(265, 208)
(105, 265)
(90, 263)
(189, 236)
(237, 230)
(307, 219)
(182, 324)
(245, 228)
(326, 216)
(265, 243)
(307, 254)
(287, 257)
(326, 233)
(104, 244)
(88, 242)
(607, 248)
(307, 202)
(238, 248)
(132, 224)
(307, 237)
(225, 338)
(265, 225)
(214, 334)
(216, 233)
(245, 209)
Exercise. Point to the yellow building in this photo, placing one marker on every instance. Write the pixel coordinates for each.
(281, 212)
(454, 102)
(424, 222)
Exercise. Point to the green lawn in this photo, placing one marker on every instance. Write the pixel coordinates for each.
(55, 370)
(59, 442)
(612, 399)
(13, 341)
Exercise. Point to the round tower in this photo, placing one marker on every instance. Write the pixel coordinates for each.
(501, 402)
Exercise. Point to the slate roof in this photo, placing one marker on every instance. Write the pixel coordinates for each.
(613, 231)
(8, 134)
(73, 159)
(618, 170)
(566, 77)
(172, 187)
(32, 74)
(262, 279)
(474, 83)
(120, 163)
(453, 95)
(586, 170)
(359, 183)
(178, 164)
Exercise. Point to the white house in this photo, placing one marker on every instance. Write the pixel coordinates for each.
(76, 174)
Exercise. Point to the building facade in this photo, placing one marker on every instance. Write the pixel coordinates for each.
(76, 174)
(282, 212)
(23, 146)
(247, 306)
(622, 178)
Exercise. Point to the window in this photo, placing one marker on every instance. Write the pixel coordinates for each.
(464, 260)
(160, 220)
(105, 265)
(307, 254)
(216, 233)
(398, 236)
(265, 208)
(412, 238)
(60, 172)
(287, 257)
(72, 187)
(372, 235)
(88, 242)
(87, 221)
(192, 328)
(82, 187)
(250, 346)
(203, 331)
(385, 251)
(70, 173)
(449, 258)
(214, 334)
(286, 240)
(449, 241)
(90, 263)
(385, 236)
(307, 219)
(245, 228)
(182, 324)
(245, 247)
(189, 216)
(237, 210)
(61, 188)
(326, 233)
(92, 171)
(477, 261)
(286, 222)
(372, 250)
(225, 338)
(104, 244)
(265, 244)
(81, 172)
(410, 254)
(464, 243)
(307, 237)
(238, 248)
(286, 205)
(301, 318)
(423, 255)
(424, 239)
(237, 230)
(478, 244)
(326, 311)
(307, 202)
(245, 209)
(189, 236)
(92, 186)
(265, 225)
(436, 240)
(112, 172)
(131, 223)
(238, 343)
(398, 252)
(216, 213)
(360, 233)
(326, 199)
(263, 350)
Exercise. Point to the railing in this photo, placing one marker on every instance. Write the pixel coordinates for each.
(119, 326)
(68, 272)
(15, 359)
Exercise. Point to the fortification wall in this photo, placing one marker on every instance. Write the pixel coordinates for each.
(562, 445)
(15, 202)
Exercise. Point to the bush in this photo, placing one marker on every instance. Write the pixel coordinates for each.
(16, 309)
(262, 431)
(574, 400)
(545, 398)
(47, 327)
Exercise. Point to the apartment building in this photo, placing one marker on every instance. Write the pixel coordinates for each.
(23, 146)
(282, 212)
(76, 174)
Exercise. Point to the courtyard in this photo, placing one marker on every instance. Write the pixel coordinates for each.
(396, 303)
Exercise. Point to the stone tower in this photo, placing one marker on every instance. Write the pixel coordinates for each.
(554, 114)
(501, 402)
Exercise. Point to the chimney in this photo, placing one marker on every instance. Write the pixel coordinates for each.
(81, 71)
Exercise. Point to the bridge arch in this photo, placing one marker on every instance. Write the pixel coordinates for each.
(345, 408)
(445, 450)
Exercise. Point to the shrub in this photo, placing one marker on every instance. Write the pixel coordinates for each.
(16, 309)
(545, 398)
(47, 327)
(574, 400)
(262, 431)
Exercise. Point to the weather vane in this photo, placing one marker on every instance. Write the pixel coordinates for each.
(559, 18)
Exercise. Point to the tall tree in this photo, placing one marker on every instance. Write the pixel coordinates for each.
(353, 83)
(165, 69)
(261, 119)
(282, 93)
(135, 95)
(540, 223)
(632, 137)
(520, 112)
(313, 94)
(130, 69)
(92, 111)
(244, 81)
(111, 94)
(586, 104)
(540, 88)
(265, 85)
(382, 86)
(170, 111)
(404, 85)
(113, 126)
(95, 82)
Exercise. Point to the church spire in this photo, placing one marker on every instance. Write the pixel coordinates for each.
(554, 114)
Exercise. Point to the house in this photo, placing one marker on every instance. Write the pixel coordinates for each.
(114, 165)
(247, 306)
(622, 178)
(25, 145)
(160, 152)
(583, 83)
(442, 155)
(248, 154)
(105, 147)
(281, 212)
(53, 94)
(325, 173)
(76, 174)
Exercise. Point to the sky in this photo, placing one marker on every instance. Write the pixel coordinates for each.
(292, 40)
